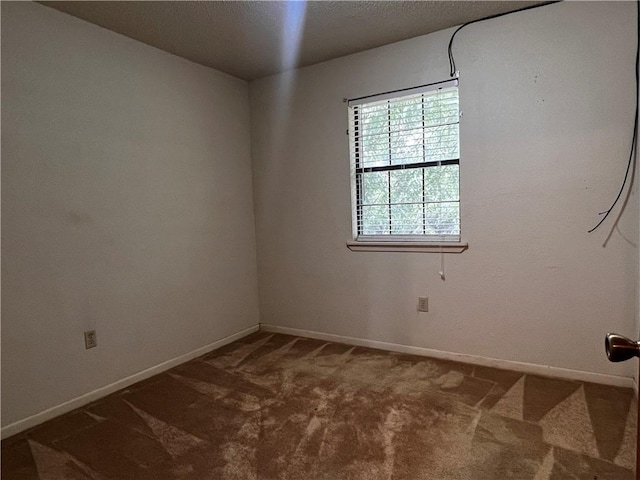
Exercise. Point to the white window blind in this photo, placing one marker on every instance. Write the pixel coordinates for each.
(405, 155)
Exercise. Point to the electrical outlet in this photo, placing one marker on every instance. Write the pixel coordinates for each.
(423, 304)
(90, 339)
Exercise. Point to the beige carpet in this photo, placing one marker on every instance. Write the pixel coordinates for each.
(280, 407)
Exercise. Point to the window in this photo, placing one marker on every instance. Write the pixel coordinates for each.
(405, 155)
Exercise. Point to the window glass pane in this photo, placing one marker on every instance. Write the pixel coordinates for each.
(441, 107)
(374, 150)
(407, 146)
(375, 188)
(375, 220)
(442, 183)
(374, 136)
(406, 123)
(406, 219)
(406, 114)
(441, 143)
(406, 186)
(443, 218)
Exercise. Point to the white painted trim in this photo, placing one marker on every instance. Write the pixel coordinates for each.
(409, 247)
(460, 357)
(82, 400)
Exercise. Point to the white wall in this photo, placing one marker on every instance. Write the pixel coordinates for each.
(126, 208)
(547, 97)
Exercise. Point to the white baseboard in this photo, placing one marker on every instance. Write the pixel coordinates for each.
(531, 368)
(38, 418)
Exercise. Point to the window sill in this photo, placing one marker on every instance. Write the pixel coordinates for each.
(409, 247)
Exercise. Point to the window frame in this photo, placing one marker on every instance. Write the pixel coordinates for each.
(398, 242)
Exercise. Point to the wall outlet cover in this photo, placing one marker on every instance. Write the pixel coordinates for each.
(423, 304)
(90, 339)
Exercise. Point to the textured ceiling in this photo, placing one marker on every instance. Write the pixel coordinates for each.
(253, 39)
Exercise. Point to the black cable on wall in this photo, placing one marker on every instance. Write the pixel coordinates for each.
(452, 62)
(634, 138)
(452, 73)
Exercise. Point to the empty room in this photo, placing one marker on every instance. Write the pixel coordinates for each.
(364, 240)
